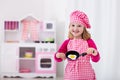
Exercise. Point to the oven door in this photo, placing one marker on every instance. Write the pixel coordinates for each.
(45, 62)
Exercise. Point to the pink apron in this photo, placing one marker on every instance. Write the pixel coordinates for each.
(80, 69)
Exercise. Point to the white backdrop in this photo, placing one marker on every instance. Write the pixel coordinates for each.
(104, 18)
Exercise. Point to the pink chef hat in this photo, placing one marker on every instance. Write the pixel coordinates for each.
(80, 17)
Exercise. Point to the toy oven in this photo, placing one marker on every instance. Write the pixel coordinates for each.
(45, 62)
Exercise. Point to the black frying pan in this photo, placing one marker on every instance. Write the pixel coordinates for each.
(73, 55)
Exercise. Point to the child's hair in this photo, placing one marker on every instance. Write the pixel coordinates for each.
(85, 35)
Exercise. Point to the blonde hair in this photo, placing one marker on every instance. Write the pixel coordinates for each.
(85, 35)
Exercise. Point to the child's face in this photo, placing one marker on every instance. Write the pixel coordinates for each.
(76, 29)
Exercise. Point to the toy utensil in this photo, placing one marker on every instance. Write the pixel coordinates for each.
(74, 55)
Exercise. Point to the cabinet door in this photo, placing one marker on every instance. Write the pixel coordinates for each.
(9, 58)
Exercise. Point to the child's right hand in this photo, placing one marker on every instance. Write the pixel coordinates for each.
(61, 55)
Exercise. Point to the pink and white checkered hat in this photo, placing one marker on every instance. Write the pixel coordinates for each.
(80, 17)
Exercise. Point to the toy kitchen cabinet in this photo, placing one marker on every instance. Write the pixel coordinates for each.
(28, 49)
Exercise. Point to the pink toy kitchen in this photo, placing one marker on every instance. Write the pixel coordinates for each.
(30, 45)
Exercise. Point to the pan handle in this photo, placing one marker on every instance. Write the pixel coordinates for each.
(83, 54)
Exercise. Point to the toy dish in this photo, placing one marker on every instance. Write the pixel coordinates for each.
(74, 55)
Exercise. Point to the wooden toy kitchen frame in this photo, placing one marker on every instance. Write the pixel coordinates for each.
(28, 49)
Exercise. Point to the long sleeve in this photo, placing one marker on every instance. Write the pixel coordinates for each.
(92, 44)
(62, 49)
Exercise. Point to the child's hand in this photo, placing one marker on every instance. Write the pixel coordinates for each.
(92, 51)
(61, 55)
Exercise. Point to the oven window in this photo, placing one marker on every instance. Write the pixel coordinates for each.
(45, 63)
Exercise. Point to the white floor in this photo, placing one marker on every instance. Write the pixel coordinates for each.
(29, 79)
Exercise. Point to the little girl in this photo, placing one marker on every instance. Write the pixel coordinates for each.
(79, 39)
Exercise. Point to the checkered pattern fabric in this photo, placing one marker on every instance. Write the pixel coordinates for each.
(80, 69)
(80, 17)
(30, 31)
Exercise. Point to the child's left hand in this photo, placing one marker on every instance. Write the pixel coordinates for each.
(92, 51)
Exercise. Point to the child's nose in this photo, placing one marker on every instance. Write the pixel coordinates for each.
(75, 28)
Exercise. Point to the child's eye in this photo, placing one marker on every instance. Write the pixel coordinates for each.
(73, 25)
(79, 26)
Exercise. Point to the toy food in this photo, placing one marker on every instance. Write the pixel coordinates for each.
(28, 54)
(51, 40)
(72, 56)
